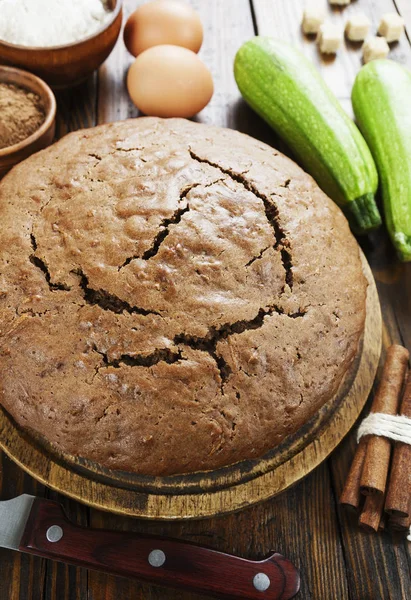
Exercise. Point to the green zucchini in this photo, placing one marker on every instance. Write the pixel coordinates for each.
(284, 88)
(382, 104)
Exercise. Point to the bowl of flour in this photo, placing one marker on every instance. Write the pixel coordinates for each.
(62, 42)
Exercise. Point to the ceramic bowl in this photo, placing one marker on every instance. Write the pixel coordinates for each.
(68, 65)
(44, 135)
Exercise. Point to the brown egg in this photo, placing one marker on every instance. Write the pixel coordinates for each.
(169, 81)
(163, 22)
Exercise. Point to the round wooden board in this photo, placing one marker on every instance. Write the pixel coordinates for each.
(238, 486)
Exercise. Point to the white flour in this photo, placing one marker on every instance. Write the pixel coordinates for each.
(50, 22)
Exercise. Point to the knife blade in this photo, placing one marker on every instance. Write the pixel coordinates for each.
(39, 526)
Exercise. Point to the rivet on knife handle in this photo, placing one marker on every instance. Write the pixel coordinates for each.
(163, 561)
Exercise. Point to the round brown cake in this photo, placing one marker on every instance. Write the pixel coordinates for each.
(174, 297)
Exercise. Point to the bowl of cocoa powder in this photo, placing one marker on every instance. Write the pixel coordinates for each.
(27, 116)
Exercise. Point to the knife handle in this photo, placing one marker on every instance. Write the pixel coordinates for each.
(163, 561)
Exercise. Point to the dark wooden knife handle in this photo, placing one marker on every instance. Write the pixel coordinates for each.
(157, 560)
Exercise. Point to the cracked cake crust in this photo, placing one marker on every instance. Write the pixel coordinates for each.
(174, 297)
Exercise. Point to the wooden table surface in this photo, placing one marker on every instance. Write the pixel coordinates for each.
(337, 561)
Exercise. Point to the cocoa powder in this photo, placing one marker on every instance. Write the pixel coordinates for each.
(21, 114)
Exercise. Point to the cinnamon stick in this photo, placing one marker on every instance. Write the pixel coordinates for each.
(351, 495)
(399, 487)
(371, 516)
(377, 457)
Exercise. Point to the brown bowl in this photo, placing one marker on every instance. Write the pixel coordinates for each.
(44, 135)
(65, 66)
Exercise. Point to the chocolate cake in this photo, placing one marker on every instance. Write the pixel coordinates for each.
(174, 297)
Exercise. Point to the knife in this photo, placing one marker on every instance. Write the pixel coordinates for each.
(39, 526)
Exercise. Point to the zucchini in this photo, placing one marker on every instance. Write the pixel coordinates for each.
(286, 90)
(382, 104)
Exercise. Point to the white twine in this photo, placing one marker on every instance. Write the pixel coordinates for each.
(394, 427)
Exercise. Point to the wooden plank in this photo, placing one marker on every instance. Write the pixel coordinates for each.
(76, 108)
(113, 102)
(392, 282)
(401, 301)
(226, 26)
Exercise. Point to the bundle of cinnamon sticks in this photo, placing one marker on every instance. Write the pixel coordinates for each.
(378, 485)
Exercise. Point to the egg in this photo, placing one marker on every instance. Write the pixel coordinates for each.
(163, 22)
(169, 81)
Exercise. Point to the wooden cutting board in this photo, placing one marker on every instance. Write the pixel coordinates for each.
(201, 495)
